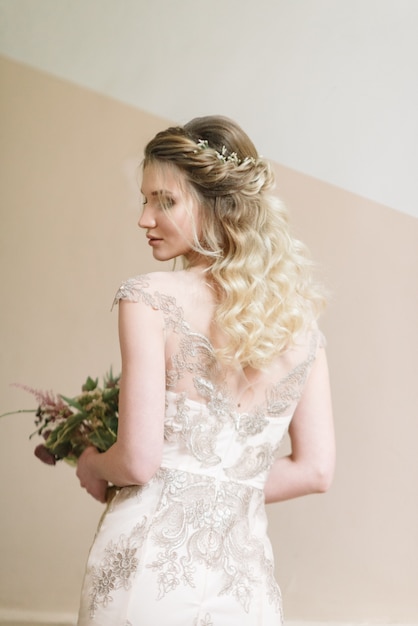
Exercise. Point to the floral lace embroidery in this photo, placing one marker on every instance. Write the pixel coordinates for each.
(125, 493)
(117, 567)
(252, 462)
(250, 424)
(289, 390)
(204, 521)
(197, 432)
(196, 355)
(216, 396)
(134, 289)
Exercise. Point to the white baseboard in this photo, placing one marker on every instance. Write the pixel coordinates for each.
(16, 617)
(333, 623)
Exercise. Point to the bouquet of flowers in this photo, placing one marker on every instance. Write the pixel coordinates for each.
(69, 425)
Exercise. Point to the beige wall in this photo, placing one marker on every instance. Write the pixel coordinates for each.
(68, 238)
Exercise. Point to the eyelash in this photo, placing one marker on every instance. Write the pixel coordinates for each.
(169, 202)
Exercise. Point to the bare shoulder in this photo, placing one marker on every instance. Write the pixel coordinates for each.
(166, 282)
(181, 285)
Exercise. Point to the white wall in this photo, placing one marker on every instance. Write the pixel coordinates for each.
(327, 87)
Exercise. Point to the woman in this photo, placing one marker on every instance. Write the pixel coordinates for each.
(219, 360)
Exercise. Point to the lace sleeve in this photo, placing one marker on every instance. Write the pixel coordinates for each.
(138, 289)
(135, 289)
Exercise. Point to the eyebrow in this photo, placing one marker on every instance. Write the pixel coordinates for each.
(159, 192)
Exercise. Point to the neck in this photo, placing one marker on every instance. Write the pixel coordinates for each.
(194, 260)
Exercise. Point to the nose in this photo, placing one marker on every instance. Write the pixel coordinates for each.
(147, 219)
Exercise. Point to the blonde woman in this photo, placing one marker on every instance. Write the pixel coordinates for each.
(219, 360)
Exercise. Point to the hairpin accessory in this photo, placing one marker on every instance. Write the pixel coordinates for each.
(223, 156)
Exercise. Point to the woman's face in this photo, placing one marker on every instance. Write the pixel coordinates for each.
(170, 214)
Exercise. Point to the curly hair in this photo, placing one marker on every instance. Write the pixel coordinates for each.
(262, 275)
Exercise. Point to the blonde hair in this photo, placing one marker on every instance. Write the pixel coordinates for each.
(262, 275)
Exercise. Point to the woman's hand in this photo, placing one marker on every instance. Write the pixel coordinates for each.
(95, 486)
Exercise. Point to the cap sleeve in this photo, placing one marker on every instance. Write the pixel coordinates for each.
(134, 289)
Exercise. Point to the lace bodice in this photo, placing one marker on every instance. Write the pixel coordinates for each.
(219, 421)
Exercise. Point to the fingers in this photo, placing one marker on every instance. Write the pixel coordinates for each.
(97, 489)
(94, 486)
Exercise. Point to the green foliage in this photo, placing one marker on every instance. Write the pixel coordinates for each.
(69, 425)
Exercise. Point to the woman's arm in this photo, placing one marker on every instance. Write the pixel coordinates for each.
(309, 468)
(137, 453)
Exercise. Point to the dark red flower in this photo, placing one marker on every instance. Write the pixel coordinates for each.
(44, 454)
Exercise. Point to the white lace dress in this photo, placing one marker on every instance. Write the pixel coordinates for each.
(190, 548)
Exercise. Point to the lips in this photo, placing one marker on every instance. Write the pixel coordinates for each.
(153, 240)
